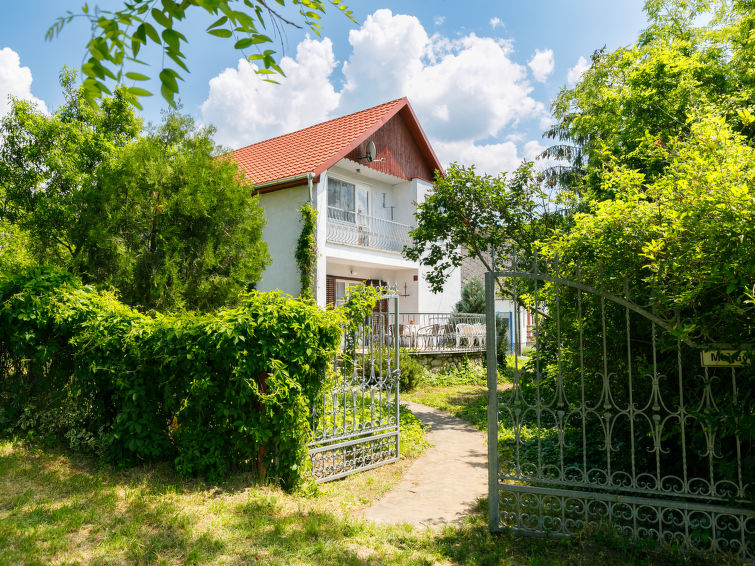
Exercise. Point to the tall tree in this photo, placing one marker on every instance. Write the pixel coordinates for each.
(480, 216)
(472, 298)
(178, 226)
(47, 165)
(674, 71)
(157, 216)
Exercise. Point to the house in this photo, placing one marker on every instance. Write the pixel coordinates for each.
(364, 174)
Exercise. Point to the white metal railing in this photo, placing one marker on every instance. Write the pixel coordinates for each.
(442, 332)
(357, 229)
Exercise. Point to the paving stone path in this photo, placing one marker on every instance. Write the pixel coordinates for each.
(445, 482)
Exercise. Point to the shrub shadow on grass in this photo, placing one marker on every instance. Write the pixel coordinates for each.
(54, 506)
(305, 536)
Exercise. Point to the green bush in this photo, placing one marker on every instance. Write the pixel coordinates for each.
(411, 371)
(466, 373)
(209, 391)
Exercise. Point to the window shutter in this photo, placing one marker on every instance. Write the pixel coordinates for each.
(330, 292)
(381, 306)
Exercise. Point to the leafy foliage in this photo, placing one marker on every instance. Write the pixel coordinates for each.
(472, 298)
(682, 241)
(156, 216)
(119, 36)
(306, 250)
(179, 227)
(465, 373)
(411, 369)
(675, 71)
(48, 164)
(15, 246)
(478, 216)
(212, 392)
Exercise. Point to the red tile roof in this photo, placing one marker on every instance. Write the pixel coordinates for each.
(315, 149)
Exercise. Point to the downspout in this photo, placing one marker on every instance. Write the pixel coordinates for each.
(310, 176)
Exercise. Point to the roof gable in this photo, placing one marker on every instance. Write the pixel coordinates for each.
(315, 149)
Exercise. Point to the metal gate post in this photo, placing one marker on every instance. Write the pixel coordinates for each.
(398, 374)
(492, 363)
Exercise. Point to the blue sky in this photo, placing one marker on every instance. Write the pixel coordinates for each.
(480, 75)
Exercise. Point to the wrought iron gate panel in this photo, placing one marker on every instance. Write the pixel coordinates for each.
(614, 421)
(356, 424)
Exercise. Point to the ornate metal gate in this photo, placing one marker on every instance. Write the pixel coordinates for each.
(613, 420)
(356, 426)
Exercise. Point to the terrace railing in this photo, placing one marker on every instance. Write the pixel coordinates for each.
(442, 332)
(357, 229)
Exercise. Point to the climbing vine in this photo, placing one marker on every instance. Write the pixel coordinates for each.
(306, 250)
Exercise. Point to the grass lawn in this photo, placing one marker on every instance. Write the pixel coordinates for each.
(57, 508)
(62, 508)
(460, 391)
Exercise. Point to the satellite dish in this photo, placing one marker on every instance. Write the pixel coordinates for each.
(371, 151)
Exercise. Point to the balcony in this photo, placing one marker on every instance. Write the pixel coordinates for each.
(357, 229)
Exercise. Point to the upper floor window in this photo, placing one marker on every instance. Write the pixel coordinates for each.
(341, 195)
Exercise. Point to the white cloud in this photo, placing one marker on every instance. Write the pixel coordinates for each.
(387, 53)
(483, 89)
(496, 22)
(467, 88)
(492, 158)
(468, 92)
(532, 149)
(15, 80)
(575, 73)
(439, 20)
(245, 109)
(542, 64)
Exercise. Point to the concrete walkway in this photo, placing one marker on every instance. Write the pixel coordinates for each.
(444, 483)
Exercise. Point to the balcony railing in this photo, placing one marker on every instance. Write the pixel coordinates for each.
(357, 229)
(442, 332)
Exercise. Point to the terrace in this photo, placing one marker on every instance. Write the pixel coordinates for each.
(442, 332)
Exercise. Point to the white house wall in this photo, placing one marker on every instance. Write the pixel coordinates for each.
(281, 234)
(284, 226)
(446, 300)
(403, 196)
(439, 302)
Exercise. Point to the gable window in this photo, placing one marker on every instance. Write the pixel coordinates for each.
(341, 200)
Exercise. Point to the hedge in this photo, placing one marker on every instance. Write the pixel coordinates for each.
(212, 392)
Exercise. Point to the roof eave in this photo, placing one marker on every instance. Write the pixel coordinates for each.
(284, 183)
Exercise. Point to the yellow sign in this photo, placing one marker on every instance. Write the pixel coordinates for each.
(724, 358)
